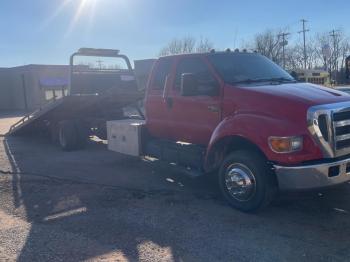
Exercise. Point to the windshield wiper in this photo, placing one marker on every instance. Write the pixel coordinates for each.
(281, 79)
(272, 79)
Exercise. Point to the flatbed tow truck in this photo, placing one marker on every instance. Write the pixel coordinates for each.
(233, 115)
(95, 95)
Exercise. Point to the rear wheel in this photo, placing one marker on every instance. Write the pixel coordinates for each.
(246, 182)
(71, 135)
(53, 129)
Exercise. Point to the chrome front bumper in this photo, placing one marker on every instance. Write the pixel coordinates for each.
(313, 176)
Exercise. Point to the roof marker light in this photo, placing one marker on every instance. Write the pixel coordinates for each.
(95, 51)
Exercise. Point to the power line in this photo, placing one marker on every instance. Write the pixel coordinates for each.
(284, 43)
(304, 31)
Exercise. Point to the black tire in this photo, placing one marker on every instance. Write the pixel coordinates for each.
(258, 191)
(54, 129)
(68, 135)
(83, 134)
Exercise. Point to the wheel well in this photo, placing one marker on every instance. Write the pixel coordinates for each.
(225, 146)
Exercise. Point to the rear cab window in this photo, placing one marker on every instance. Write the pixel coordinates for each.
(199, 68)
(162, 70)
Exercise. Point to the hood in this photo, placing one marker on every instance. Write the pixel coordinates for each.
(305, 93)
(286, 101)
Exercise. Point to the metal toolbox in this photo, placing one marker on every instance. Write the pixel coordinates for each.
(124, 136)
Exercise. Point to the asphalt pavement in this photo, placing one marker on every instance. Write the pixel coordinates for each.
(96, 205)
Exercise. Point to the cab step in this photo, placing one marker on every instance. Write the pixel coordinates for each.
(188, 157)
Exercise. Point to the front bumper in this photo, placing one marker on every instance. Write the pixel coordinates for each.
(313, 176)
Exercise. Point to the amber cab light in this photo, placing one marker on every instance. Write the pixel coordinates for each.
(285, 144)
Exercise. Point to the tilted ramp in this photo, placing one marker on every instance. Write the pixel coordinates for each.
(76, 107)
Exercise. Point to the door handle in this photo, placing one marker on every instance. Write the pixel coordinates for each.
(214, 109)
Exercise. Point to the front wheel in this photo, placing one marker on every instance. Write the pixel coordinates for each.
(246, 182)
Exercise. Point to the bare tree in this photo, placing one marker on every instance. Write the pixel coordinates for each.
(338, 46)
(322, 47)
(204, 45)
(313, 60)
(179, 46)
(324, 51)
(269, 44)
(295, 57)
(186, 45)
(174, 47)
(344, 51)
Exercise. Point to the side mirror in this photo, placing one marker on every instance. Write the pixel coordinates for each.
(189, 84)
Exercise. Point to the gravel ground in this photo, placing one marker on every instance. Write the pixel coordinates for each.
(7, 119)
(95, 205)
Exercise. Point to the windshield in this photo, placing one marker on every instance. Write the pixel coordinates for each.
(95, 63)
(250, 68)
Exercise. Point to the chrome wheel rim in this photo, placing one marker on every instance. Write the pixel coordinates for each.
(240, 182)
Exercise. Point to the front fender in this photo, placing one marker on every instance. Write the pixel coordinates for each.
(257, 128)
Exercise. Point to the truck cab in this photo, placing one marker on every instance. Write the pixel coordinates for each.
(241, 117)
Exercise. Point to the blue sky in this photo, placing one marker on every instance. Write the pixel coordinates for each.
(48, 31)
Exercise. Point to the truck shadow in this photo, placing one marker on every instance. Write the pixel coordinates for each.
(79, 219)
(68, 218)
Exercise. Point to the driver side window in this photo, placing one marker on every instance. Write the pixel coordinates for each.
(207, 85)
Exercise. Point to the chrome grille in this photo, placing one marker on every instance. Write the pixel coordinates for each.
(323, 126)
(329, 125)
(341, 126)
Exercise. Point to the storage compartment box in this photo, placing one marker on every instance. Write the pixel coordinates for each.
(124, 136)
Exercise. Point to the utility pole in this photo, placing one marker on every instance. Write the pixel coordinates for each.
(284, 43)
(304, 31)
(334, 34)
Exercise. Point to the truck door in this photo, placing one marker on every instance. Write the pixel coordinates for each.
(194, 118)
(157, 111)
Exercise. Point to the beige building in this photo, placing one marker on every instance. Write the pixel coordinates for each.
(30, 87)
(319, 77)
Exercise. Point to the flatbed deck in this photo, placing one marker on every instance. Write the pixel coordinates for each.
(75, 107)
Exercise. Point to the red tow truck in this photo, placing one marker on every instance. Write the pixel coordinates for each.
(234, 115)
(242, 118)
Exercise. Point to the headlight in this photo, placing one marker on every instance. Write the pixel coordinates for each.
(285, 144)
